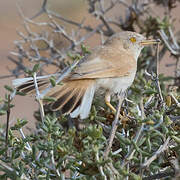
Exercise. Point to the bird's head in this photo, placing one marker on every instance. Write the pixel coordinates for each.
(131, 42)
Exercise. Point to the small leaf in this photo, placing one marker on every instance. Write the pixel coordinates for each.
(20, 123)
(9, 88)
(168, 100)
(53, 81)
(149, 91)
(36, 67)
(49, 99)
(2, 112)
(20, 93)
(123, 139)
(85, 49)
(176, 139)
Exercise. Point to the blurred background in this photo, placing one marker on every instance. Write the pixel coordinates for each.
(10, 22)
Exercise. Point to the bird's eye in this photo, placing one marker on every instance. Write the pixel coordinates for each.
(133, 39)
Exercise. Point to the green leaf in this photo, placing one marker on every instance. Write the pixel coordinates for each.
(20, 123)
(95, 131)
(85, 49)
(20, 93)
(36, 67)
(49, 99)
(9, 88)
(150, 91)
(176, 139)
(2, 112)
(123, 139)
(53, 81)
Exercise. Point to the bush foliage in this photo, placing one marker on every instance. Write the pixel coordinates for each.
(147, 139)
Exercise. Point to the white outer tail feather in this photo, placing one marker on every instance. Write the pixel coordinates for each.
(21, 81)
(84, 109)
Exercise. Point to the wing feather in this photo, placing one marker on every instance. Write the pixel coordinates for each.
(105, 65)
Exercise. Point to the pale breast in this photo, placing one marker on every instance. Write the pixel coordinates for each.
(116, 85)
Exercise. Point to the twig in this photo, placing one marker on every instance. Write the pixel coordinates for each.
(165, 39)
(53, 162)
(159, 175)
(157, 74)
(23, 137)
(160, 122)
(100, 168)
(136, 139)
(130, 154)
(114, 126)
(173, 38)
(7, 120)
(38, 97)
(123, 3)
(87, 28)
(176, 167)
(42, 10)
(60, 29)
(148, 101)
(8, 167)
(176, 101)
(157, 153)
(19, 64)
(109, 29)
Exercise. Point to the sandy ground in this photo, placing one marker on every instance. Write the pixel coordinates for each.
(10, 22)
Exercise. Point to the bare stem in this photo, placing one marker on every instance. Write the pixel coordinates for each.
(100, 168)
(168, 44)
(53, 162)
(130, 154)
(7, 121)
(38, 97)
(23, 136)
(157, 153)
(157, 74)
(4, 165)
(114, 127)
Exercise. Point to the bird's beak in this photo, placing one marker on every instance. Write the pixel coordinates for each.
(150, 41)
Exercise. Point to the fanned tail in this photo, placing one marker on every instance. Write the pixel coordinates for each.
(72, 97)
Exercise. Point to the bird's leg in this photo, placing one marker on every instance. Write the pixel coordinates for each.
(107, 101)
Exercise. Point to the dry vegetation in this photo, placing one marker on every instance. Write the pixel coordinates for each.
(146, 144)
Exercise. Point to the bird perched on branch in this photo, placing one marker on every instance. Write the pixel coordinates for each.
(111, 66)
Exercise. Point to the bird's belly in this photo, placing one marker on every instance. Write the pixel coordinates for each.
(116, 85)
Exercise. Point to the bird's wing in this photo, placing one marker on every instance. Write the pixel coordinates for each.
(105, 63)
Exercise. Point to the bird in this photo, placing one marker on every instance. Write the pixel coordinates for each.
(111, 67)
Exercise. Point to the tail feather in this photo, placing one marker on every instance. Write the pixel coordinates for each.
(29, 87)
(84, 108)
(77, 101)
(69, 104)
(20, 81)
(64, 97)
(72, 97)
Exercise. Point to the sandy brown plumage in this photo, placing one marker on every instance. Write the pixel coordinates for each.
(111, 66)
